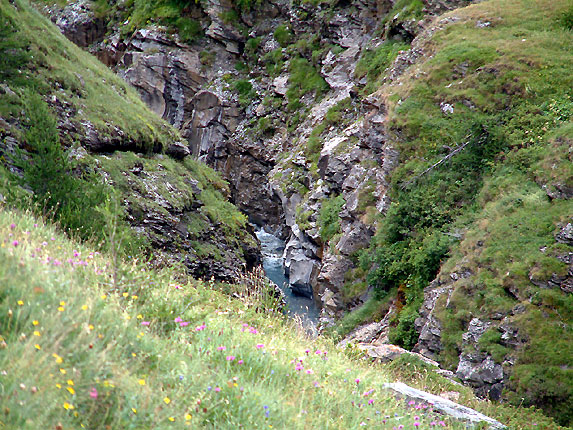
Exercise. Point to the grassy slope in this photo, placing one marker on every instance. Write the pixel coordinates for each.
(51, 65)
(510, 87)
(82, 352)
(95, 94)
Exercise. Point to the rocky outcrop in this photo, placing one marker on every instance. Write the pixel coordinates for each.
(470, 417)
(477, 368)
(78, 22)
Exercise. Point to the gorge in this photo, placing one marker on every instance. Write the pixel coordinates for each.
(406, 164)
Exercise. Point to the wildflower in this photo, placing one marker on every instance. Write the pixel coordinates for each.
(20, 303)
(230, 357)
(309, 371)
(70, 382)
(139, 317)
(240, 362)
(357, 380)
(181, 377)
(84, 307)
(12, 226)
(37, 333)
(141, 382)
(178, 319)
(188, 417)
(171, 419)
(217, 389)
(68, 406)
(15, 243)
(167, 400)
(63, 371)
(61, 309)
(371, 401)
(38, 347)
(134, 410)
(93, 393)
(433, 423)
(441, 423)
(125, 295)
(201, 327)
(35, 322)
(221, 348)
(260, 345)
(146, 323)
(253, 330)
(318, 352)
(103, 296)
(184, 323)
(71, 390)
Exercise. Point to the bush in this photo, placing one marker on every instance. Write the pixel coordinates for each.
(304, 79)
(283, 35)
(328, 218)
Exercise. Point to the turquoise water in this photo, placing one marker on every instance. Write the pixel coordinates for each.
(273, 263)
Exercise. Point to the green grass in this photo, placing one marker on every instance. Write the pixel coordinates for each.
(509, 85)
(56, 67)
(303, 79)
(80, 350)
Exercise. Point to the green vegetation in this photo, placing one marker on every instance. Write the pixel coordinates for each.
(508, 88)
(51, 66)
(304, 79)
(283, 35)
(245, 90)
(328, 219)
(374, 61)
(150, 351)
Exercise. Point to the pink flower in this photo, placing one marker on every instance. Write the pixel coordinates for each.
(441, 423)
(230, 357)
(253, 330)
(306, 351)
(370, 401)
(200, 327)
(299, 367)
(178, 319)
(145, 323)
(417, 418)
(240, 362)
(309, 371)
(357, 380)
(15, 243)
(93, 393)
(217, 389)
(12, 226)
(221, 348)
(417, 424)
(318, 352)
(184, 323)
(260, 345)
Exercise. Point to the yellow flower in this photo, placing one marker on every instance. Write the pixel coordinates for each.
(84, 307)
(167, 400)
(68, 406)
(134, 410)
(171, 419)
(61, 309)
(37, 333)
(58, 358)
(35, 322)
(20, 303)
(134, 354)
(90, 327)
(70, 382)
(139, 317)
(125, 294)
(71, 390)
(62, 303)
(103, 297)
(38, 347)
(58, 386)
(188, 417)
(134, 297)
(63, 371)
(142, 382)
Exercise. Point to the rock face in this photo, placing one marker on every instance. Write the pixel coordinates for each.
(78, 23)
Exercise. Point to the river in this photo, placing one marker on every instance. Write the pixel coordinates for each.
(301, 307)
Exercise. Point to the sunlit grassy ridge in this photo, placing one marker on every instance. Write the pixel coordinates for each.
(88, 91)
(151, 352)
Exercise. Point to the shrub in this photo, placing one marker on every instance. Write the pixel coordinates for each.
(283, 35)
(328, 219)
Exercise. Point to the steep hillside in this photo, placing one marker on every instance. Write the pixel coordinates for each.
(63, 112)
